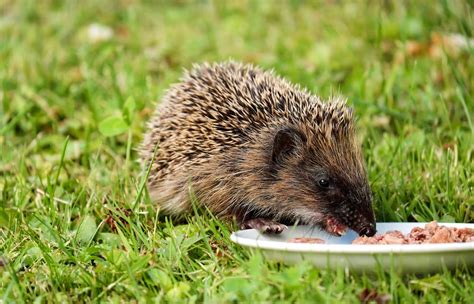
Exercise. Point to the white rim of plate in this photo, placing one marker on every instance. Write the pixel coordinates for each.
(349, 248)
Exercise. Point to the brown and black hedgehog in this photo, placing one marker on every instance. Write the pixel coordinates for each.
(250, 145)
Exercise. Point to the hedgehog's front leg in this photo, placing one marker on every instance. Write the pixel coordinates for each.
(263, 225)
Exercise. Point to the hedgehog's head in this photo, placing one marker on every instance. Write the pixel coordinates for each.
(319, 172)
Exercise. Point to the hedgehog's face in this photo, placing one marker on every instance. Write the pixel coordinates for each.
(328, 187)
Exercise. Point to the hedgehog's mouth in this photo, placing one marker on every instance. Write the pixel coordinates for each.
(335, 227)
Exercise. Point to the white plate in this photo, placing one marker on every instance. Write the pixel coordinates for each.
(338, 251)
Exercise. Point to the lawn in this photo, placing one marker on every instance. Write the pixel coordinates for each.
(79, 79)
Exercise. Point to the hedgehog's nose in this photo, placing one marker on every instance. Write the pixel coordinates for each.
(368, 230)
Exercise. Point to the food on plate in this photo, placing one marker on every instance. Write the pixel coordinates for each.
(306, 240)
(432, 233)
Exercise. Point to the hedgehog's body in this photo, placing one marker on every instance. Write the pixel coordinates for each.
(248, 144)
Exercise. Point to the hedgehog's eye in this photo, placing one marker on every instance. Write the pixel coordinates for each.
(324, 182)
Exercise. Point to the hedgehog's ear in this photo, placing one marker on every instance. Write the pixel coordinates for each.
(285, 142)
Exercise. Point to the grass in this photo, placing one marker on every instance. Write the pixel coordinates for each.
(65, 189)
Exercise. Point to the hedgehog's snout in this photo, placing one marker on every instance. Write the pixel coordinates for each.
(365, 225)
(359, 219)
(368, 230)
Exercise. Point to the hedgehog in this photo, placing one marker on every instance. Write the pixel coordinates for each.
(251, 147)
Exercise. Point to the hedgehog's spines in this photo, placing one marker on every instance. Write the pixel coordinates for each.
(214, 123)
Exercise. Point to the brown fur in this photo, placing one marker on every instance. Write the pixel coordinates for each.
(216, 130)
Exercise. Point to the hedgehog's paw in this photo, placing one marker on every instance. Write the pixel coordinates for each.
(263, 225)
